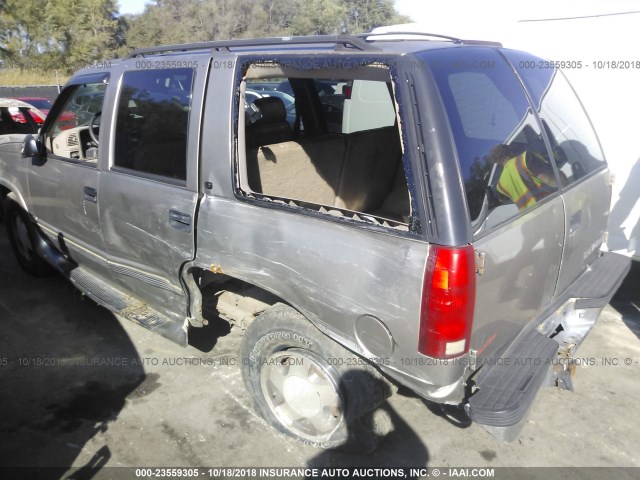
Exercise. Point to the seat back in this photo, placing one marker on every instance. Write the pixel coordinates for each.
(272, 127)
(369, 167)
(307, 170)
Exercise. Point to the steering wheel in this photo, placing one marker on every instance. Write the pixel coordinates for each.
(92, 126)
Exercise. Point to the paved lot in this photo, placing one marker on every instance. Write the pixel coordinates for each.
(158, 404)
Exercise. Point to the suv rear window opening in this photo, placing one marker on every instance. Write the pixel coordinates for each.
(332, 143)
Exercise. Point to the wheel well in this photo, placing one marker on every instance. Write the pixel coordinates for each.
(234, 300)
(4, 193)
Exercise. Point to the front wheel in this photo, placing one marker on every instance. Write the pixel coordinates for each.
(22, 234)
(309, 387)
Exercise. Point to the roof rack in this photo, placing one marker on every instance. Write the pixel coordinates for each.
(421, 34)
(340, 41)
(366, 36)
(360, 41)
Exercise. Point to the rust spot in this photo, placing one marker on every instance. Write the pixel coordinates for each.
(216, 268)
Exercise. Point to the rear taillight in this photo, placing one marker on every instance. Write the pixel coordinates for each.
(448, 299)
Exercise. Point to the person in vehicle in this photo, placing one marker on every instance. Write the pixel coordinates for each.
(526, 178)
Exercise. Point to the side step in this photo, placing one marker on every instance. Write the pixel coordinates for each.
(127, 306)
(507, 387)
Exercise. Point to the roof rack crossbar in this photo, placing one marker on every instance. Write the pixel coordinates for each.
(338, 40)
(460, 41)
(420, 34)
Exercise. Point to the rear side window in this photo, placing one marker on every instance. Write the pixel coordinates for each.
(337, 151)
(501, 150)
(574, 143)
(153, 120)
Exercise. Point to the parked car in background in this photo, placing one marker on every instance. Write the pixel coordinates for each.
(41, 103)
(17, 117)
(44, 105)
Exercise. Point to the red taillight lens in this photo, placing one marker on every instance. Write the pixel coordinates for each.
(448, 299)
(346, 91)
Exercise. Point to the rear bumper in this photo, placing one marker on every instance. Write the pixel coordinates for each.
(507, 387)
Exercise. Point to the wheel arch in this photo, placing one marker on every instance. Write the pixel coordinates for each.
(197, 279)
(8, 191)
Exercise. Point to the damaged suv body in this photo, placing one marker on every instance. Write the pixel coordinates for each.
(367, 236)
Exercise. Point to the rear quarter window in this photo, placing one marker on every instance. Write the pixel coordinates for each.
(575, 146)
(484, 111)
(500, 147)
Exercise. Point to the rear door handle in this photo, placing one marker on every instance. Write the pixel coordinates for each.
(91, 194)
(180, 221)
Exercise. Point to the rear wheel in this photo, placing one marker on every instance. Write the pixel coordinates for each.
(310, 387)
(22, 236)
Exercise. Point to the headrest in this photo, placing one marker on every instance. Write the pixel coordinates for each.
(272, 109)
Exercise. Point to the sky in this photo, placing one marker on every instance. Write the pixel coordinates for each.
(132, 6)
(464, 10)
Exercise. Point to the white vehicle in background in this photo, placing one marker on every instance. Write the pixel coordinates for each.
(364, 106)
(599, 61)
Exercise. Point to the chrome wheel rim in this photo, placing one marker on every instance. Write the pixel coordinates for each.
(23, 241)
(302, 392)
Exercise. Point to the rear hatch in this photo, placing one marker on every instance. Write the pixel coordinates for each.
(579, 159)
(535, 182)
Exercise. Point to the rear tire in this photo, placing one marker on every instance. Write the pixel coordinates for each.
(310, 387)
(22, 236)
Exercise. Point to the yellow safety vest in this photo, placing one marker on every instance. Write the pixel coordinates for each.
(520, 185)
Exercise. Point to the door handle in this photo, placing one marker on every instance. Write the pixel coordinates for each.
(91, 194)
(180, 221)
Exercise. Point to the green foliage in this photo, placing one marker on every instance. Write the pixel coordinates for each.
(320, 17)
(67, 34)
(363, 15)
(58, 34)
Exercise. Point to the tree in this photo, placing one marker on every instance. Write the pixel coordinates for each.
(320, 17)
(23, 30)
(58, 33)
(181, 21)
(66, 34)
(92, 33)
(363, 15)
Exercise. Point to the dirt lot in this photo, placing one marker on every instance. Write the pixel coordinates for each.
(81, 388)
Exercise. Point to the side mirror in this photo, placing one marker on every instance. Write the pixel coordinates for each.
(31, 147)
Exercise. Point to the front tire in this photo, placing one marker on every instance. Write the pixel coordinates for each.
(310, 387)
(22, 235)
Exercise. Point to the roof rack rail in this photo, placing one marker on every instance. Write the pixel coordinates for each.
(341, 41)
(421, 34)
(365, 36)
